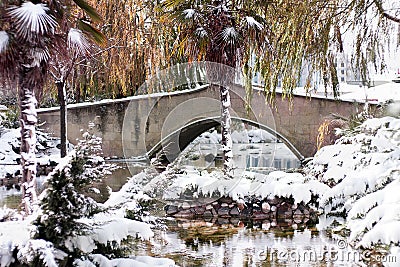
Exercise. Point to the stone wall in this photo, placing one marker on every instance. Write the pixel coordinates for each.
(250, 208)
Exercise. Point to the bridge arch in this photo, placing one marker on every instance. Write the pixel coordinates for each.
(174, 143)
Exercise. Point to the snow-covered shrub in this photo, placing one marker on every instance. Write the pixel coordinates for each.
(198, 184)
(363, 170)
(38, 252)
(101, 260)
(64, 202)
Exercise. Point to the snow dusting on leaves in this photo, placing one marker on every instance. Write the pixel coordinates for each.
(40, 248)
(189, 13)
(252, 23)
(77, 41)
(32, 18)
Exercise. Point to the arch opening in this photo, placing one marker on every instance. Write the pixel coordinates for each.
(172, 146)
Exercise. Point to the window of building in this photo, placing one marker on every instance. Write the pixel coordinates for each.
(342, 79)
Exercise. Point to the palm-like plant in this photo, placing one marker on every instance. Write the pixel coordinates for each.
(32, 34)
(224, 32)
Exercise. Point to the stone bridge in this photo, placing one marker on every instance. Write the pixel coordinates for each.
(140, 126)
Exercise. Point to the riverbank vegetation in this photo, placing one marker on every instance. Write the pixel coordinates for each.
(357, 177)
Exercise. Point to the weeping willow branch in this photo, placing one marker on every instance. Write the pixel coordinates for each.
(384, 13)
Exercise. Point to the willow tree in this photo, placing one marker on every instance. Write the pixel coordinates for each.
(137, 51)
(32, 34)
(231, 32)
(368, 29)
(275, 38)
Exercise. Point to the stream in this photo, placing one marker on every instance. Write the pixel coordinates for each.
(219, 242)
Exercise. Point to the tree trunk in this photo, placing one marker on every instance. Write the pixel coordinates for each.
(28, 119)
(63, 116)
(226, 131)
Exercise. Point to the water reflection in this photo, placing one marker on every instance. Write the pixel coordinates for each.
(10, 195)
(252, 243)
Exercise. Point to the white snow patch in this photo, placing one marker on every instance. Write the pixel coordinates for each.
(3, 41)
(275, 184)
(189, 13)
(139, 261)
(251, 22)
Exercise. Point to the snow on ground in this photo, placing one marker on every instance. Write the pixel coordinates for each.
(13, 234)
(139, 261)
(381, 92)
(376, 94)
(276, 183)
(252, 136)
(46, 150)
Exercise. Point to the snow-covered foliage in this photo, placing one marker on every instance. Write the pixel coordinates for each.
(13, 234)
(7, 214)
(363, 169)
(129, 197)
(63, 202)
(275, 184)
(36, 250)
(252, 23)
(77, 41)
(71, 224)
(189, 13)
(32, 18)
(253, 135)
(106, 230)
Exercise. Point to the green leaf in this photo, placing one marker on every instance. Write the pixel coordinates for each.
(89, 10)
(94, 33)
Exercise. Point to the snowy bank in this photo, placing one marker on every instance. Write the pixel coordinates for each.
(363, 168)
(47, 152)
(202, 183)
